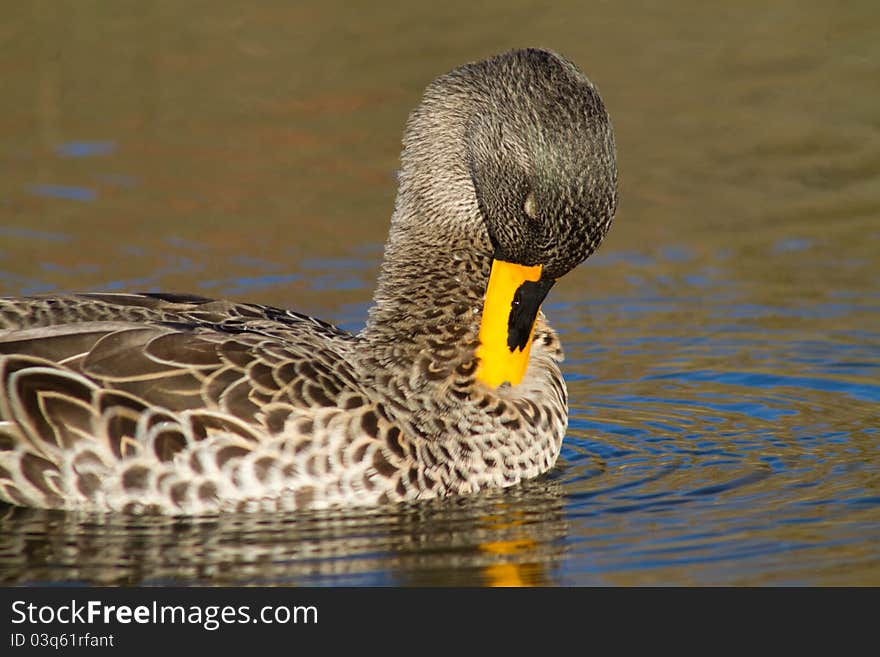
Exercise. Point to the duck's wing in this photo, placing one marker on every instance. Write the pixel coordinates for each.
(123, 376)
(184, 353)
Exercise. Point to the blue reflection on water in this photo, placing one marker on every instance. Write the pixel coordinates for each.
(85, 148)
(334, 282)
(84, 268)
(67, 192)
(792, 244)
(30, 233)
(243, 284)
(128, 284)
(676, 253)
(605, 258)
(335, 264)
(862, 391)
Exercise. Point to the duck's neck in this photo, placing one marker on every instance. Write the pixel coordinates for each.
(431, 285)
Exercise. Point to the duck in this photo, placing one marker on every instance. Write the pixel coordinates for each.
(180, 404)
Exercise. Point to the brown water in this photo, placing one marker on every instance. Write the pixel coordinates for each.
(723, 346)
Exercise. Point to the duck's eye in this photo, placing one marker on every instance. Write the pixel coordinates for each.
(530, 207)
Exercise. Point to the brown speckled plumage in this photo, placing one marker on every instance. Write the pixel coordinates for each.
(180, 404)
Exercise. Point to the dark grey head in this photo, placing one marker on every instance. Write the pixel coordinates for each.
(540, 154)
(542, 160)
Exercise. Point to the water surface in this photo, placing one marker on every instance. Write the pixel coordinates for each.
(723, 346)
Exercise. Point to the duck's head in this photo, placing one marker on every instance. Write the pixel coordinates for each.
(516, 153)
(540, 153)
(541, 157)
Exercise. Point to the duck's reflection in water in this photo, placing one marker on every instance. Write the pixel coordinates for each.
(513, 537)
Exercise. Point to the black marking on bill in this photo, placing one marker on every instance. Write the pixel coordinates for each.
(527, 301)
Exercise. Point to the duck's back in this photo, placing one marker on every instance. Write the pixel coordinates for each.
(127, 386)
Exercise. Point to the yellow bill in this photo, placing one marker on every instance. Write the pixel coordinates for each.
(513, 298)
